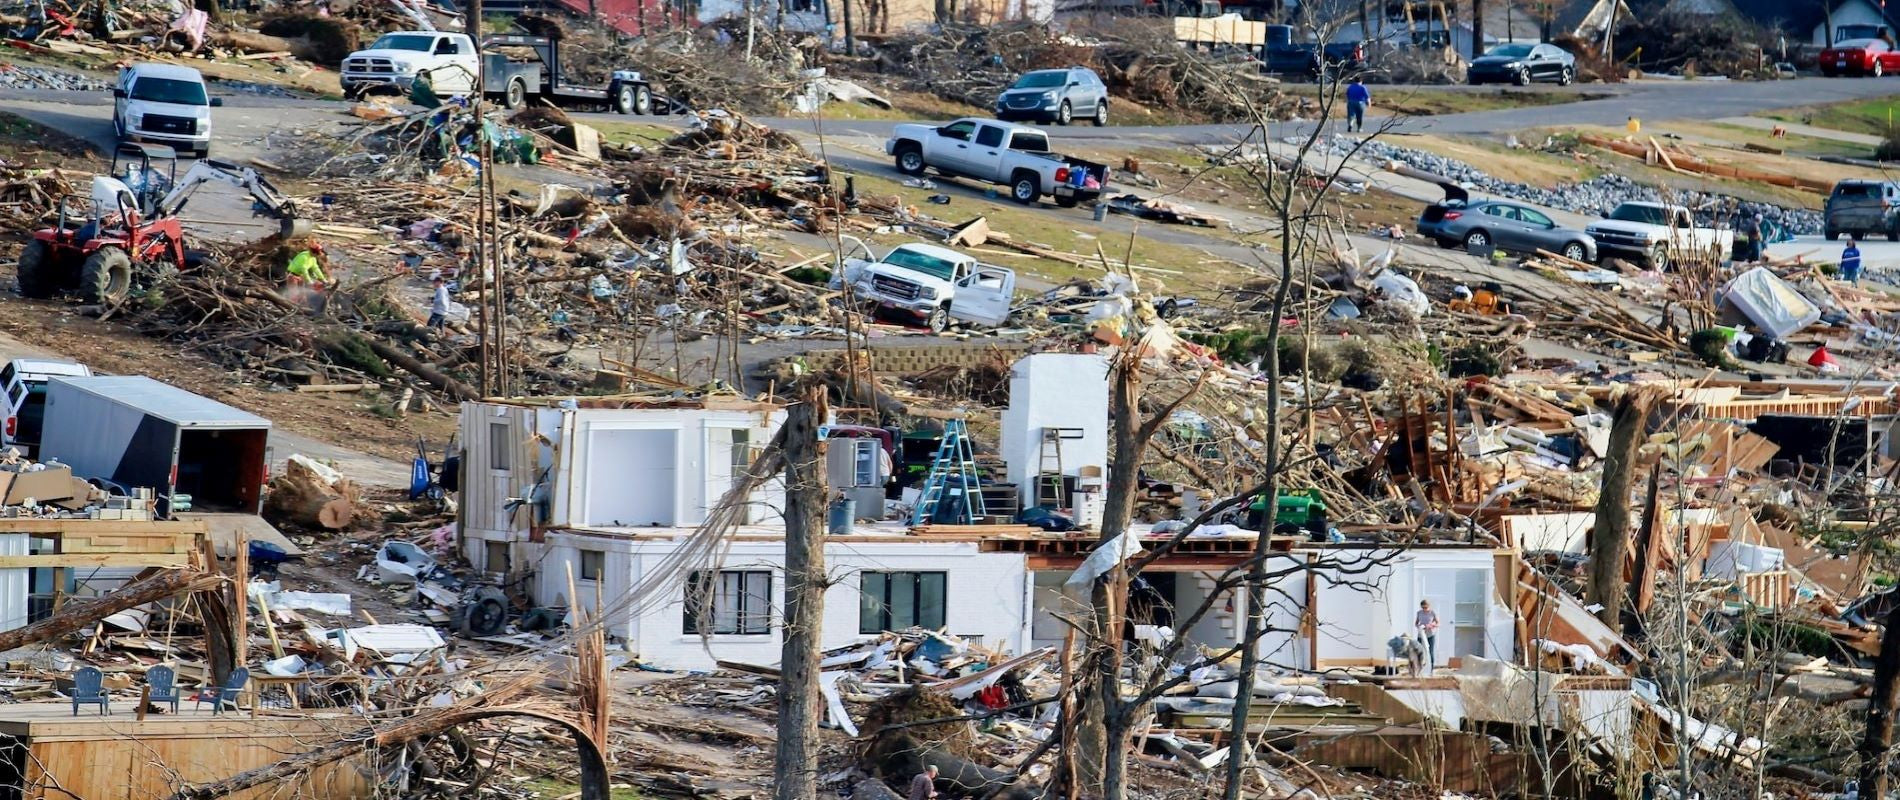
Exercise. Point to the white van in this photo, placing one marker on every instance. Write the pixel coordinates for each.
(163, 103)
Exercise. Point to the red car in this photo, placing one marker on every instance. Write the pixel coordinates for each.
(1860, 57)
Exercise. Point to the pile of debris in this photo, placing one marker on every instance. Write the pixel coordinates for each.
(972, 64)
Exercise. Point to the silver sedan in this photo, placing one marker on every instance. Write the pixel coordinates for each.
(1494, 224)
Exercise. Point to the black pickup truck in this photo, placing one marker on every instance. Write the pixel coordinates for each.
(1282, 55)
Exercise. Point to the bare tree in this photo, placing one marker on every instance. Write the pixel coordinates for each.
(794, 775)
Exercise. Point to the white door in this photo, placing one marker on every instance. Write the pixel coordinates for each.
(451, 75)
(984, 297)
(501, 476)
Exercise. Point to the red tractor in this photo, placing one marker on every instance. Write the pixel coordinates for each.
(134, 231)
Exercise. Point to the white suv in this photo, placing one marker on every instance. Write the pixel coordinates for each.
(24, 380)
(163, 103)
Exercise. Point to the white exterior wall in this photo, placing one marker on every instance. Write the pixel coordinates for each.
(1358, 613)
(986, 595)
(595, 456)
(767, 14)
(1055, 390)
(1853, 12)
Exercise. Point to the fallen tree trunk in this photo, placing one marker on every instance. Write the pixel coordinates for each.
(429, 722)
(414, 366)
(78, 614)
(306, 498)
(874, 789)
(901, 757)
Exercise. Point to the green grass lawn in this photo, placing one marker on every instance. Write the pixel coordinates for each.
(1873, 116)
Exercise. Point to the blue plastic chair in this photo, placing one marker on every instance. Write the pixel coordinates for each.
(164, 683)
(88, 688)
(217, 696)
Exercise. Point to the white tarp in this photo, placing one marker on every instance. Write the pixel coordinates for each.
(1771, 303)
(1391, 287)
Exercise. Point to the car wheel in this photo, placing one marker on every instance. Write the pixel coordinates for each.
(1893, 233)
(1065, 114)
(1877, 71)
(1026, 189)
(1477, 240)
(516, 96)
(1659, 258)
(643, 101)
(910, 160)
(1101, 113)
(938, 320)
(1566, 77)
(1575, 252)
(623, 99)
(1523, 77)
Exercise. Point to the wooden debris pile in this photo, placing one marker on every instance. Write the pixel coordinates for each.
(29, 196)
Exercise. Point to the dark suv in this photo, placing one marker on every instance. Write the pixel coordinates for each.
(1058, 95)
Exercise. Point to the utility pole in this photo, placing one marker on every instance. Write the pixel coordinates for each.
(1477, 28)
(794, 771)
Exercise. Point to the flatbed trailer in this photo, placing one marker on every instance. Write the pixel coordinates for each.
(516, 83)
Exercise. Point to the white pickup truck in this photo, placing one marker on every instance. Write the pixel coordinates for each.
(1656, 233)
(1016, 156)
(450, 60)
(934, 284)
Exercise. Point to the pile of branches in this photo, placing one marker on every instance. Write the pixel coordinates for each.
(238, 310)
(1693, 44)
(678, 61)
(1141, 62)
(728, 165)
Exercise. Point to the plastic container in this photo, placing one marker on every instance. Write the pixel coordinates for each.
(840, 515)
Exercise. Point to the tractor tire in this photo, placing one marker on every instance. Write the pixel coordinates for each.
(106, 277)
(36, 271)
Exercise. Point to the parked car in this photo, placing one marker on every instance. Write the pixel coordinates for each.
(1871, 57)
(1655, 233)
(1283, 55)
(1861, 208)
(163, 103)
(1055, 95)
(1512, 227)
(1016, 156)
(930, 283)
(24, 380)
(1523, 64)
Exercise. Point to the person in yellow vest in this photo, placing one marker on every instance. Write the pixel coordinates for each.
(307, 267)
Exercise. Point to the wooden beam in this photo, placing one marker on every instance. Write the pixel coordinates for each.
(99, 527)
(170, 560)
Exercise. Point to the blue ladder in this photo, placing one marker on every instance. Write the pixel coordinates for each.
(952, 476)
